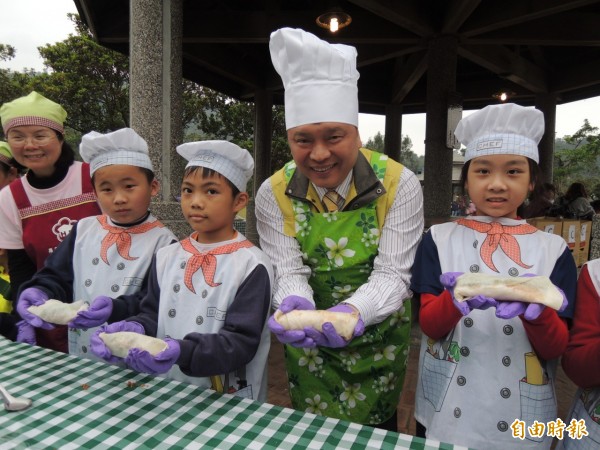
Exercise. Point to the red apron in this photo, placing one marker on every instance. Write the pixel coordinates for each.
(44, 227)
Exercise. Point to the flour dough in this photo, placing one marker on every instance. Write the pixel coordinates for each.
(538, 289)
(121, 342)
(57, 312)
(344, 323)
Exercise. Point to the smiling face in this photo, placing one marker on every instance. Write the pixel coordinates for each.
(498, 184)
(124, 192)
(324, 152)
(35, 147)
(209, 206)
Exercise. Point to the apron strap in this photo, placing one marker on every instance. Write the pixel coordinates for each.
(18, 193)
(86, 179)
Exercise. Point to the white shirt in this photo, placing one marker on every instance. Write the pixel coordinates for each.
(389, 282)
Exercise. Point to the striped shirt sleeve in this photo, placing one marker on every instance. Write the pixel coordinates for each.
(388, 284)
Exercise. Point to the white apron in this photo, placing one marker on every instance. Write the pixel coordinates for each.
(93, 276)
(476, 381)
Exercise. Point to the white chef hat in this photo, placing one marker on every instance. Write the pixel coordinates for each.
(320, 79)
(123, 146)
(231, 161)
(505, 129)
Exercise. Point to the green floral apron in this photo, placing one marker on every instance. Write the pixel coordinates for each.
(361, 382)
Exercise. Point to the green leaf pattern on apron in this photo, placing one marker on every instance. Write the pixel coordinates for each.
(362, 381)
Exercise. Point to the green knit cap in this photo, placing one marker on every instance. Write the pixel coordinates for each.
(33, 109)
(5, 153)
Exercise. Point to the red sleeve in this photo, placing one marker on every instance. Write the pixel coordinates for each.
(438, 315)
(581, 360)
(548, 334)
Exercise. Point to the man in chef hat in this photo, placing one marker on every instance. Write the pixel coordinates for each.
(109, 254)
(212, 291)
(341, 224)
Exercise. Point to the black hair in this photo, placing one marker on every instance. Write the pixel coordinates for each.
(207, 173)
(149, 174)
(535, 175)
(576, 190)
(4, 167)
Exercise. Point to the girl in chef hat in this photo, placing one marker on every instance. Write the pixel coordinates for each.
(487, 365)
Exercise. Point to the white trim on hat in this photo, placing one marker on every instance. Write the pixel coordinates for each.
(119, 156)
(221, 165)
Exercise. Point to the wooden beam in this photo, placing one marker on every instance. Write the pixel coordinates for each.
(405, 14)
(408, 74)
(457, 13)
(506, 64)
(573, 77)
(568, 29)
(497, 15)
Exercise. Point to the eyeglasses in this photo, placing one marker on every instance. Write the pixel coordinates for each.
(36, 139)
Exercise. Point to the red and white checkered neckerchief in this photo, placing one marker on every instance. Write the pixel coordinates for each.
(499, 235)
(207, 261)
(122, 237)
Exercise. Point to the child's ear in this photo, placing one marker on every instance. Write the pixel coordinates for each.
(154, 187)
(240, 201)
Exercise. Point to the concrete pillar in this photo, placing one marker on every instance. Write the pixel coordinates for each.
(393, 131)
(156, 101)
(441, 82)
(547, 104)
(263, 130)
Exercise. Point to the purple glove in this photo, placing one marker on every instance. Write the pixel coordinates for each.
(99, 348)
(330, 337)
(142, 361)
(296, 338)
(26, 333)
(482, 302)
(530, 311)
(97, 314)
(32, 297)
(508, 310)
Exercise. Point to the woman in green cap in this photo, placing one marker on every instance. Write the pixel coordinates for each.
(37, 211)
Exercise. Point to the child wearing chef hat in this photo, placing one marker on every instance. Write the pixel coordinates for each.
(487, 365)
(210, 294)
(337, 221)
(105, 259)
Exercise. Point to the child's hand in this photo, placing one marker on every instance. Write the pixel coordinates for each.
(330, 337)
(296, 338)
(32, 297)
(482, 302)
(26, 333)
(97, 314)
(529, 311)
(99, 348)
(142, 361)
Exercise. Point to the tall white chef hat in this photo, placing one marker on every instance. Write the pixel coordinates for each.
(123, 146)
(505, 129)
(320, 79)
(231, 161)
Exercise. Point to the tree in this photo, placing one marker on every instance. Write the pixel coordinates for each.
(90, 81)
(576, 158)
(407, 157)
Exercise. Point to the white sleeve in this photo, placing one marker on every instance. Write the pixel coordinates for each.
(291, 274)
(11, 236)
(388, 284)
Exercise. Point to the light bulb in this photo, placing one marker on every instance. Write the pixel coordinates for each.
(333, 24)
(503, 97)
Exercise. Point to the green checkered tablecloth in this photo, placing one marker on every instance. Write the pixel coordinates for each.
(83, 404)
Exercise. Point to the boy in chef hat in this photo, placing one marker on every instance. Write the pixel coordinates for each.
(107, 255)
(341, 225)
(210, 294)
(508, 368)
